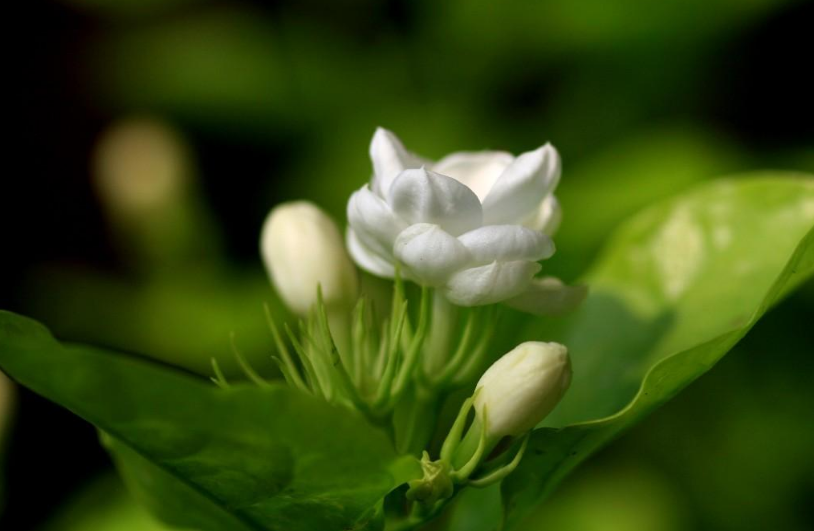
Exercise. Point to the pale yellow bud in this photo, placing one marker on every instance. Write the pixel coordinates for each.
(302, 248)
(141, 167)
(521, 388)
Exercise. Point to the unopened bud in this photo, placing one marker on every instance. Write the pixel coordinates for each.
(302, 249)
(142, 167)
(521, 388)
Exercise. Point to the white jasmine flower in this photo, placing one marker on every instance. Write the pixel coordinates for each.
(521, 388)
(473, 225)
(302, 248)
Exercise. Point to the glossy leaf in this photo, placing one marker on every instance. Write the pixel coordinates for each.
(103, 505)
(200, 457)
(676, 288)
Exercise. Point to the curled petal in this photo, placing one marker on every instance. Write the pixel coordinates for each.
(477, 170)
(549, 296)
(522, 187)
(423, 196)
(507, 243)
(375, 224)
(389, 159)
(367, 259)
(547, 218)
(491, 283)
(430, 254)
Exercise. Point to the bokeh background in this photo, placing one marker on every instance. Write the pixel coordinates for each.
(151, 137)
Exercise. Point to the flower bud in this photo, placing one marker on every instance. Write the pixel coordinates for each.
(302, 248)
(522, 387)
(141, 168)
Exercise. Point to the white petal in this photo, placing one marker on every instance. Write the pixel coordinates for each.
(478, 170)
(491, 283)
(423, 196)
(507, 243)
(522, 186)
(389, 159)
(375, 224)
(430, 254)
(549, 296)
(547, 218)
(367, 259)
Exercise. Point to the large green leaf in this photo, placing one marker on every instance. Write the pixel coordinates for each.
(209, 459)
(675, 289)
(103, 505)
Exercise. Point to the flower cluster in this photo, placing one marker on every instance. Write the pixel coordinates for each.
(471, 230)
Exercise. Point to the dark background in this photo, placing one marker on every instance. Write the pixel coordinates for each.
(269, 101)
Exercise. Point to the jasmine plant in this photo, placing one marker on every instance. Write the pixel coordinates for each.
(477, 372)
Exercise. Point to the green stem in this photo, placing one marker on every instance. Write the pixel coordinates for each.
(461, 353)
(437, 344)
(420, 423)
(417, 518)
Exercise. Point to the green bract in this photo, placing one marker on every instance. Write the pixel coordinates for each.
(676, 287)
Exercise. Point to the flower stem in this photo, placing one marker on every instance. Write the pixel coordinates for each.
(437, 345)
(415, 432)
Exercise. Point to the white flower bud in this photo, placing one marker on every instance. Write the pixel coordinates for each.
(302, 248)
(522, 387)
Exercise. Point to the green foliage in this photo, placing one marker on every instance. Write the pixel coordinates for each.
(210, 459)
(181, 321)
(104, 505)
(675, 289)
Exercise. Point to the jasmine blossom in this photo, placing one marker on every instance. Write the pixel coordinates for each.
(473, 225)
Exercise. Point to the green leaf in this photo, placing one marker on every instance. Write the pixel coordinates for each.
(103, 505)
(675, 289)
(181, 321)
(209, 459)
(624, 171)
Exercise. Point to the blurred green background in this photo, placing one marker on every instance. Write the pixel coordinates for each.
(155, 135)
